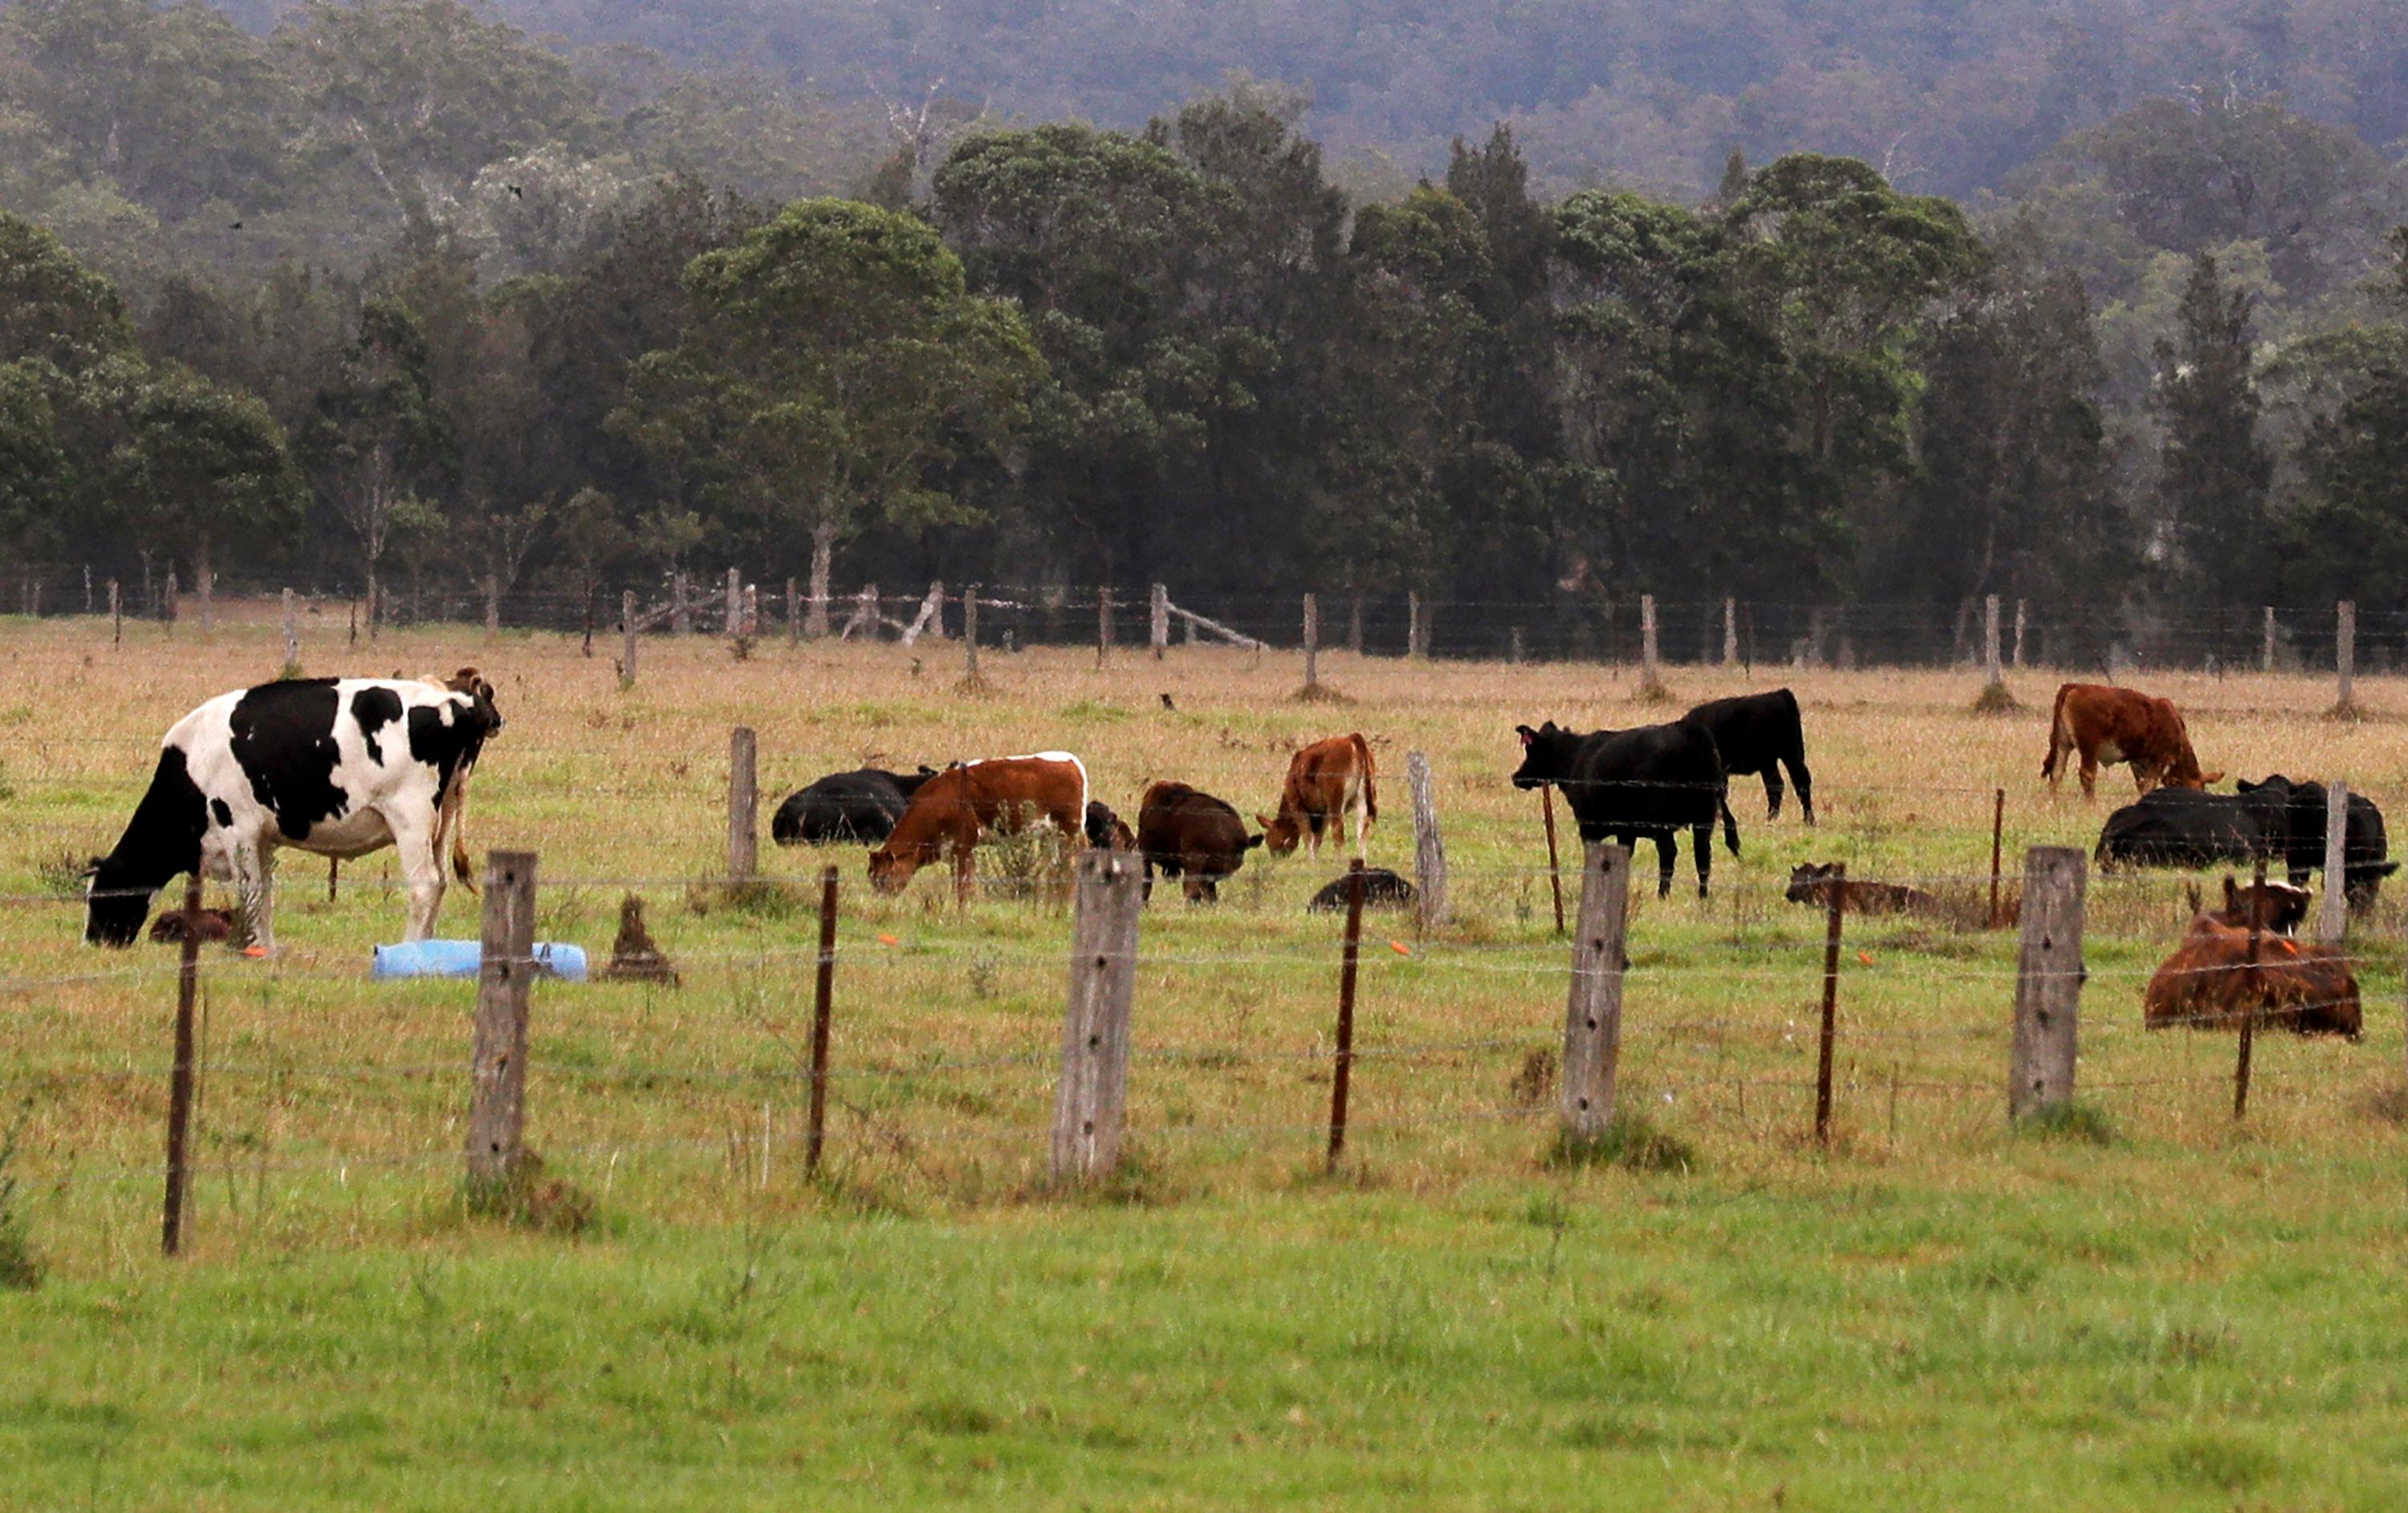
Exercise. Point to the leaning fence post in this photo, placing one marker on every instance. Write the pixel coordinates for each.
(1835, 905)
(743, 803)
(1093, 1093)
(2345, 653)
(180, 1078)
(1158, 620)
(1554, 863)
(497, 1065)
(823, 1010)
(627, 624)
(1342, 1068)
(1312, 644)
(2048, 980)
(1430, 846)
(292, 639)
(2333, 927)
(1593, 1013)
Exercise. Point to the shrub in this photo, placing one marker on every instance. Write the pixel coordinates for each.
(1631, 1141)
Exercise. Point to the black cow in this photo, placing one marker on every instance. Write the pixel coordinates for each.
(1381, 890)
(1107, 831)
(1656, 780)
(2190, 827)
(1761, 732)
(846, 808)
(2297, 813)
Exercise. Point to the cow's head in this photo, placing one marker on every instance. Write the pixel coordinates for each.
(471, 683)
(116, 902)
(1809, 882)
(1281, 831)
(1546, 755)
(892, 865)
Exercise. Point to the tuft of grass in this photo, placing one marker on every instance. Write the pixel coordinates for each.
(755, 898)
(2074, 1121)
(1632, 1141)
(1321, 693)
(2387, 1104)
(1652, 691)
(1994, 699)
(527, 1199)
(21, 1267)
(61, 873)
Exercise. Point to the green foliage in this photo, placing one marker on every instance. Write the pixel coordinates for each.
(2072, 1120)
(21, 1267)
(2215, 473)
(1632, 1140)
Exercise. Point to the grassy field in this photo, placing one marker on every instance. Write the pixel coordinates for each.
(2161, 1308)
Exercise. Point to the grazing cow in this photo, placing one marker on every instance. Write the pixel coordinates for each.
(2105, 725)
(1381, 890)
(1761, 732)
(857, 807)
(1656, 780)
(963, 805)
(2296, 822)
(2208, 983)
(1192, 836)
(2279, 908)
(337, 767)
(1812, 883)
(2187, 827)
(1106, 830)
(1328, 784)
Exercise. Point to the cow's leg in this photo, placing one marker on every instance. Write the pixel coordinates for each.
(964, 869)
(254, 883)
(2089, 773)
(1804, 782)
(1702, 850)
(414, 840)
(1668, 852)
(1771, 791)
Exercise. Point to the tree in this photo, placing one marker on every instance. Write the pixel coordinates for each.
(376, 443)
(33, 468)
(52, 307)
(2215, 471)
(202, 468)
(837, 356)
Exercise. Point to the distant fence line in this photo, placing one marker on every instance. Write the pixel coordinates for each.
(1615, 630)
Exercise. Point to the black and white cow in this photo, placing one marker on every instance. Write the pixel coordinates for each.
(1761, 732)
(1656, 780)
(338, 766)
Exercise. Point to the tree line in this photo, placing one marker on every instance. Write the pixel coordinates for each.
(496, 331)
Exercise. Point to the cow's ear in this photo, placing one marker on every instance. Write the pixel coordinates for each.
(1263, 820)
(1526, 734)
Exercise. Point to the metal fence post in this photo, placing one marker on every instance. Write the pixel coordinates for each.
(180, 1078)
(1341, 1069)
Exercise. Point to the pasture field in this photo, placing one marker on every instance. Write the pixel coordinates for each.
(2181, 1312)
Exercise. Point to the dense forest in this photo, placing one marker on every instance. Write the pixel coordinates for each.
(2105, 308)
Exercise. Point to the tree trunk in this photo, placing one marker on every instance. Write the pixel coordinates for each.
(206, 580)
(372, 601)
(815, 624)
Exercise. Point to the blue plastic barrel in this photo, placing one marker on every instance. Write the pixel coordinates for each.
(461, 959)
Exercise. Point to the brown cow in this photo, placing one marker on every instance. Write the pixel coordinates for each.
(1193, 836)
(2107, 725)
(1328, 783)
(2208, 983)
(2272, 906)
(962, 805)
(1812, 883)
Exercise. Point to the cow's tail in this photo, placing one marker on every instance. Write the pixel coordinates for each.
(1730, 826)
(2055, 725)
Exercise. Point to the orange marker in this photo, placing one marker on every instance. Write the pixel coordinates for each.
(888, 940)
(254, 950)
(1399, 946)
(1865, 957)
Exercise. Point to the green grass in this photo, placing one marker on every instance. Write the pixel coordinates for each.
(2141, 1305)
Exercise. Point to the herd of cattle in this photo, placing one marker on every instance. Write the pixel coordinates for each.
(343, 768)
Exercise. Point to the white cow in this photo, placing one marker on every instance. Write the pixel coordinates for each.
(341, 766)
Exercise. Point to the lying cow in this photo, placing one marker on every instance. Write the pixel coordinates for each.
(2295, 814)
(2187, 827)
(1761, 732)
(1815, 882)
(2210, 983)
(1381, 890)
(337, 767)
(1330, 785)
(846, 808)
(1656, 781)
(965, 805)
(1192, 837)
(2105, 725)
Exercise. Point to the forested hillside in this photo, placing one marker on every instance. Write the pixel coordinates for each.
(395, 287)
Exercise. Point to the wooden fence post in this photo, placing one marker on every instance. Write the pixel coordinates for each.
(292, 638)
(492, 607)
(1355, 623)
(175, 604)
(743, 805)
(681, 612)
(1158, 620)
(2048, 980)
(734, 618)
(1342, 1071)
(1093, 1093)
(1651, 680)
(794, 615)
(1514, 646)
(2345, 653)
(87, 588)
(2332, 928)
(180, 1078)
(1826, 1043)
(2266, 647)
(1554, 863)
(1417, 629)
(498, 1065)
(116, 616)
(1998, 841)
(823, 1010)
(627, 624)
(2019, 636)
(1429, 847)
(2249, 1005)
(1730, 632)
(751, 610)
(1994, 670)
(1103, 625)
(969, 631)
(1593, 1014)
(1312, 644)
